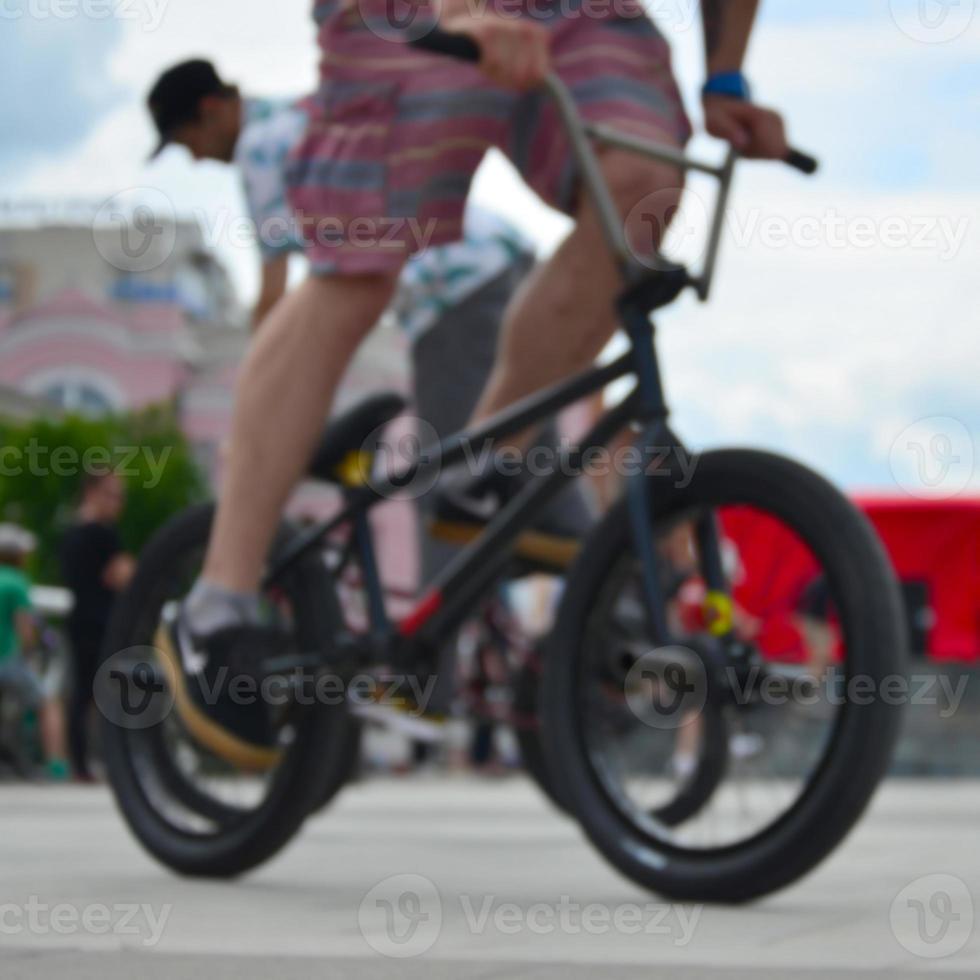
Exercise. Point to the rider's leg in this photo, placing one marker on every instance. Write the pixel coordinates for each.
(52, 723)
(563, 316)
(283, 395)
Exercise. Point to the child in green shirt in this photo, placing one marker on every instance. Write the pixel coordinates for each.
(18, 634)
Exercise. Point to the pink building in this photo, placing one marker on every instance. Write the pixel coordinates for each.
(86, 329)
(87, 356)
(83, 329)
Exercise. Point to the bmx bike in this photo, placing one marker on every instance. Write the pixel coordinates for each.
(683, 718)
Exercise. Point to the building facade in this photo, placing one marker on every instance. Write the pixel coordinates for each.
(92, 321)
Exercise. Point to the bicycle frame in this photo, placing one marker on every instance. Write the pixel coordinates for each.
(647, 287)
(582, 135)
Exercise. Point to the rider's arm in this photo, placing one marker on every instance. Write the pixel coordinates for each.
(751, 129)
(274, 275)
(727, 27)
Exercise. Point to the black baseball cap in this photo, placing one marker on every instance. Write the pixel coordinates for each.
(176, 97)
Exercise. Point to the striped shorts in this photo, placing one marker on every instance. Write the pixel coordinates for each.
(396, 134)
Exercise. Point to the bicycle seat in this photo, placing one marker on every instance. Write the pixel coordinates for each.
(348, 432)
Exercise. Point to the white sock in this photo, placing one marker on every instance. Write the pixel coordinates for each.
(210, 608)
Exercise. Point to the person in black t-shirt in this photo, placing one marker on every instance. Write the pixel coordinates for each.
(95, 568)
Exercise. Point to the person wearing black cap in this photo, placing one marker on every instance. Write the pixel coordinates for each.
(191, 106)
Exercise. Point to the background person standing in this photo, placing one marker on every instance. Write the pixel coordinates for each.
(95, 567)
(19, 635)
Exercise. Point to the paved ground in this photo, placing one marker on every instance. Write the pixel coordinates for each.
(474, 879)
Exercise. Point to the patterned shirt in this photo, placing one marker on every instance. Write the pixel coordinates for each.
(439, 278)
(432, 282)
(270, 130)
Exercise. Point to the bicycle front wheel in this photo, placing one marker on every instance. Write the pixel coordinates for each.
(797, 712)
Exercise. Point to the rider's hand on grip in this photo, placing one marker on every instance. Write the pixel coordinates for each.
(511, 53)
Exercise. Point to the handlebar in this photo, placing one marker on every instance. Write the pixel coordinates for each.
(801, 161)
(464, 48)
(582, 135)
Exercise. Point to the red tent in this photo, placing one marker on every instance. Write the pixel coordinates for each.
(936, 543)
(934, 546)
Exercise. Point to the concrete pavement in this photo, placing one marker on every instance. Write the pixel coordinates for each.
(457, 877)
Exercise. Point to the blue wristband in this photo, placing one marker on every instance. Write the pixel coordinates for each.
(730, 83)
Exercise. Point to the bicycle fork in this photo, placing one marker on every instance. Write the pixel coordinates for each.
(660, 449)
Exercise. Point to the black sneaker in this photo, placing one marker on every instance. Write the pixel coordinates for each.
(202, 674)
(462, 508)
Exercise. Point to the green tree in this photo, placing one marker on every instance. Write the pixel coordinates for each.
(43, 463)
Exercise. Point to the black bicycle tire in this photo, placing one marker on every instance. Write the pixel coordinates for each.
(316, 764)
(709, 770)
(863, 742)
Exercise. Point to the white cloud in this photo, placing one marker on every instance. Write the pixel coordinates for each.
(51, 95)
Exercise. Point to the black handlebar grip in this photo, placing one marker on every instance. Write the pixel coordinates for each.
(802, 161)
(458, 46)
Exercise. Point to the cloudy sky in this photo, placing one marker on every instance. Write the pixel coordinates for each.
(844, 327)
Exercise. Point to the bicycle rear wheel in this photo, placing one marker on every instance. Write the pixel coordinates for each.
(817, 616)
(197, 813)
(706, 768)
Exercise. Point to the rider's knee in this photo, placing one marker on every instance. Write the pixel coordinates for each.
(358, 299)
(645, 191)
